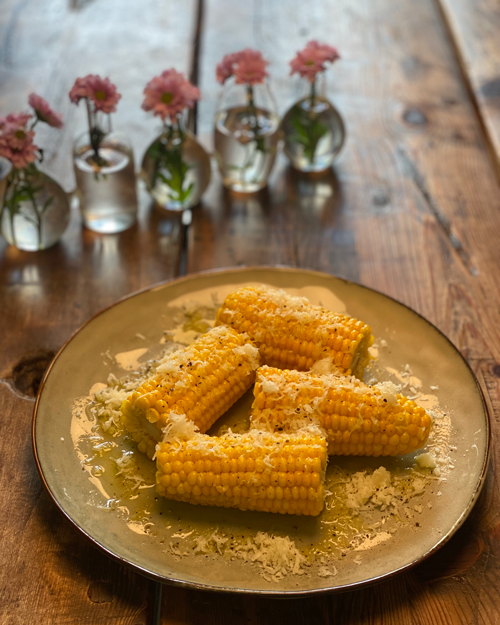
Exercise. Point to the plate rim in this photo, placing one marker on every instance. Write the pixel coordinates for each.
(276, 593)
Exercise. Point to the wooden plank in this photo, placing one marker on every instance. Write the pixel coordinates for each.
(49, 573)
(474, 26)
(45, 47)
(404, 214)
(417, 201)
(412, 210)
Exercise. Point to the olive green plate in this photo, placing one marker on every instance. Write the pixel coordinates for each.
(82, 362)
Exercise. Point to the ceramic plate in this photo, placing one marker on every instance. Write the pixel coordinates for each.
(151, 535)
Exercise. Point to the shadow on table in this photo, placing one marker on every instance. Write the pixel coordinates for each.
(316, 194)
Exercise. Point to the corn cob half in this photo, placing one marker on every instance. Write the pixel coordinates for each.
(293, 334)
(252, 471)
(359, 420)
(202, 382)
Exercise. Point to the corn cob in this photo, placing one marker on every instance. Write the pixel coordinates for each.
(252, 471)
(202, 382)
(359, 420)
(292, 334)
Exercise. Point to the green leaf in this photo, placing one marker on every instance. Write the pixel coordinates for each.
(307, 131)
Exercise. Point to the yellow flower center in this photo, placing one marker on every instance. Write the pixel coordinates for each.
(167, 97)
(100, 95)
(20, 134)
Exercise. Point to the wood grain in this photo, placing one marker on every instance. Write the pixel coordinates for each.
(49, 573)
(474, 27)
(412, 208)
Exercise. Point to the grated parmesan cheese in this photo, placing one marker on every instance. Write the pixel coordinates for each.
(388, 390)
(275, 556)
(376, 487)
(426, 461)
(179, 428)
(360, 498)
(251, 352)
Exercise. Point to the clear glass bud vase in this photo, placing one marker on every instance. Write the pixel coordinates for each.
(246, 136)
(313, 129)
(35, 210)
(5, 169)
(176, 168)
(105, 178)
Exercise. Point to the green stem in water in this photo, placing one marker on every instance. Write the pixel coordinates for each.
(254, 120)
(167, 156)
(38, 218)
(313, 94)
(96, 135)
(12, 213)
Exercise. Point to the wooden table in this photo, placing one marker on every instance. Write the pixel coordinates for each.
(412, 209)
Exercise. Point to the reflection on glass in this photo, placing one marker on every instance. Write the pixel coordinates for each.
(316, 194)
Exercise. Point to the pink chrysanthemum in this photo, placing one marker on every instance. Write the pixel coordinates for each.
(250, 68)
(16, 142)
(311, 60)
(79, 90)
(44, 112)
(14, 120)
(247, 66)
(169, 94)
(103, 93)
(225, 69)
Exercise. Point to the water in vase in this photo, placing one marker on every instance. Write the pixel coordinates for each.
(245, 147)
(108, 198)
(313, 135)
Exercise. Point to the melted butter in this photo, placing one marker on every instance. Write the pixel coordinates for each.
(337, 531)
(98, 386)
(129, 361)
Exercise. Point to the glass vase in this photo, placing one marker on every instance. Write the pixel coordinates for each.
(246, 136)
(35, 211)
(5, 169)
(176, 168)
(313, 130)
(105, 181)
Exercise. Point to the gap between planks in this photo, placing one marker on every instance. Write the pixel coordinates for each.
(154, 600)
(194, 73)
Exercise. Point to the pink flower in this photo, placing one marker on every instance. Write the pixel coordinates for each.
(247, 66)
(79, 90)
(103, 93)
(250, 68)
(311, 60)
(14, 120)
(16, 142)
(169, 94)
(44, 112)
(225, 69)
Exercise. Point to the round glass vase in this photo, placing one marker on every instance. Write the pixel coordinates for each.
(176, 168)
(105, 183)
(35, 210)
(5, 169)
(313, 130)
(246, 135)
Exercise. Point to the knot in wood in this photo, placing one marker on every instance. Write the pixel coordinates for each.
(28, 373)
(415, 117)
